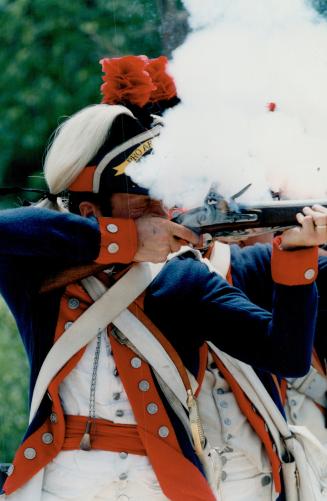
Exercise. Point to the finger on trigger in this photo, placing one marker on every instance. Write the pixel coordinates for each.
(299, 217)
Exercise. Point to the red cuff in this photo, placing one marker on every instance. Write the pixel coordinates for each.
(293, 267)
(118, 240)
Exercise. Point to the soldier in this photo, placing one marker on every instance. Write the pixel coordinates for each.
(114, 408)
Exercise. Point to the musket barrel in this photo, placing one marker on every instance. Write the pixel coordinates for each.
(279, 213)
(212, 220)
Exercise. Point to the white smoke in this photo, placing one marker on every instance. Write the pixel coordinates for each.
(242, 55)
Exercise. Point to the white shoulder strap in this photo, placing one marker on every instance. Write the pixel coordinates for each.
(96, 318)
(220, 258)
(153, 352)
(254, 389)
(145, 344)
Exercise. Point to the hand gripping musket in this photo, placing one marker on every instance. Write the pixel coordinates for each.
(219, 217)
(216, 218)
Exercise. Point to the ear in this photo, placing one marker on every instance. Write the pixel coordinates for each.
(88, 209)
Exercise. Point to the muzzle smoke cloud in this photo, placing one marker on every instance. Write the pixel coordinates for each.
(241, 56)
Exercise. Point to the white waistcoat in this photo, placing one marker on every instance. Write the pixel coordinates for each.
(302, 411)
(245, 474)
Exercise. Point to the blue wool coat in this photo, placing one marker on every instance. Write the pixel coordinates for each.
(186, 301)
(251, 273)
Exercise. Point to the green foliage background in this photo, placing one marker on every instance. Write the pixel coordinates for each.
(49, 69)
(13, 386)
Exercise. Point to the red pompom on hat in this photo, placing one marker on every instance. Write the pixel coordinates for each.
(165, 85)
(136, 81)
(126, 80)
